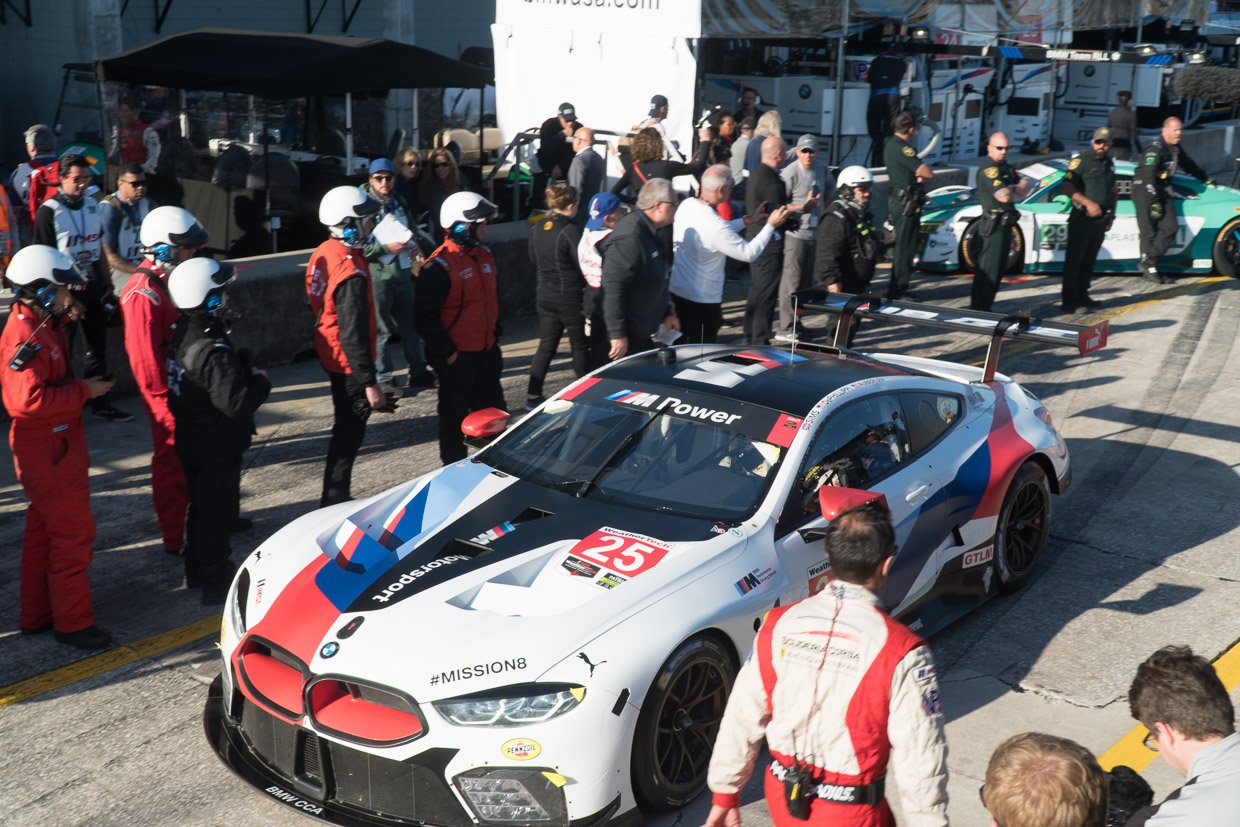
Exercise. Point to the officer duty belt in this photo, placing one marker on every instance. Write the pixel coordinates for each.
(869, 794)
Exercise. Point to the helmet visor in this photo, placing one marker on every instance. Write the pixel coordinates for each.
(70, 277)
(195, 237)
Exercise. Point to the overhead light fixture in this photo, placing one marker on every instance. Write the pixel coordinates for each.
(1147, 49)
(1196, 58)
(919, 34)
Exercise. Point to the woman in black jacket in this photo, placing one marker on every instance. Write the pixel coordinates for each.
(553, 249)
(648, 162)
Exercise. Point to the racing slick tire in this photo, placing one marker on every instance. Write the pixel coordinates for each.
(678, 723)
(1024, 525)
(971, 248)
(1227, 249)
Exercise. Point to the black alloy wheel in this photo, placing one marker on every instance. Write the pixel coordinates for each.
(1024, 525)
(678, 723)
(1227, 249)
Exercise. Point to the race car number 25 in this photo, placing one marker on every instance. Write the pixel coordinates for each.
(621, 551)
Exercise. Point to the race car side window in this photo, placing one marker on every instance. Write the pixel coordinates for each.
(929, 415)
(857, 446)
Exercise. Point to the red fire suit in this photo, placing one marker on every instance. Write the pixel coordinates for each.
(841, 711)
(149, 316)
(52, 463)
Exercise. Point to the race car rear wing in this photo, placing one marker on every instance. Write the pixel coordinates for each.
(995, 325)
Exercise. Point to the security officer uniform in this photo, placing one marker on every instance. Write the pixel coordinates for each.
(994, 227)
(904, 209)
(213, 395)
(1094, 178)
(1155, 213)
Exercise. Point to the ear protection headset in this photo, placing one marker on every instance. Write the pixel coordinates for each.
(44, 297)
(350, 233)
(214, 302)
(162, 252)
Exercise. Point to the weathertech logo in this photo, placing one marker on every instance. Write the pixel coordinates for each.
(410, 576)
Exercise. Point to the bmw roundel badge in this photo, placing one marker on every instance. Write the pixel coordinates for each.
(329, 649)
(805, 91)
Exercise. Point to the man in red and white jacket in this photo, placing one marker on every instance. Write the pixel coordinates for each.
(839, 690)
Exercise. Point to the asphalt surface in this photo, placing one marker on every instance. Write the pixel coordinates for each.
(1144, 552)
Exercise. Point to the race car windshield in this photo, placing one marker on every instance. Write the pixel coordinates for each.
(652, 459)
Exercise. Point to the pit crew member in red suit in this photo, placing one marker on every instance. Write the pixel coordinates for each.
(839, 690)
(49, 448)
(169, 236)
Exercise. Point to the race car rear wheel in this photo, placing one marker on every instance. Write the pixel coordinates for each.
(971, 249)
(678, 723)
(1024, 524)
(1227, 249)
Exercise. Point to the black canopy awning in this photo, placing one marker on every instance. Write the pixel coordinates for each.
(274, 65)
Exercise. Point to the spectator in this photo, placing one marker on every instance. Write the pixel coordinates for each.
(648, 162)
(409, 165)
(136, 142)
(586, 172)
(49, 449)
(70, 222)
(740, 148)
(214, 392)
(1122, 121)
(121, 215)
(604, 213)
(720, 146)
(770, 125)
(703, 242)
(1192, 724)
(727, 128)
(765, 188)
(884, 74)
(40, 150)
(635, 295)
(442, 179)
(553, 249)
(338, 289)
(555, 150)
(392, 266)
(655, 120)
(170, 236)
(837, 710)
(1038, 780)
(809, 189)
(456, 311)
(748, 105)
(10, 232)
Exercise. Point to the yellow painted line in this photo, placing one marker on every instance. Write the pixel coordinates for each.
(1129, 750)
(108, 660)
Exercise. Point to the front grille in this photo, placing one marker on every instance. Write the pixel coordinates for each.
(343, 775)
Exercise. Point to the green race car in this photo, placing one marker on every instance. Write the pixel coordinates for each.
(1208, 238)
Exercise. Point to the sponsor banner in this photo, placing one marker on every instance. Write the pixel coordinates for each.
(819, 575)
(622, 552)
(754, 579)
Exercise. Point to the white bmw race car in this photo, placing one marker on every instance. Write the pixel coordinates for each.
(547, 633)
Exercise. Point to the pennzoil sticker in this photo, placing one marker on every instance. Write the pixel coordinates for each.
(521, 749)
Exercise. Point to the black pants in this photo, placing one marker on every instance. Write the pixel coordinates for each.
(990, 264)
(1156, 236)
(469, 384)
(214, 501)
(907, 229)
(699, 321)
(95, 331)
(764, 277)
(1085, 236)
(553, 321)
(600, 343)
(348, 429)
(879, 114)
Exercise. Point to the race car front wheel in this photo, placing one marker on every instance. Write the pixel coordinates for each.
(1227, 249)
(678, 723)
(971, 250)
(1024, 524)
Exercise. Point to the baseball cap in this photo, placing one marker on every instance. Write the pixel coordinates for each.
(749, 122)
(657, 103)
(1102, 134)
(381, 165)
(807, 142)
(601, 206)
(567, 110)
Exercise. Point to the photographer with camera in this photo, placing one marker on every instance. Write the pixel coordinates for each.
(907, 173)
(840, 691)
(69, 221)
(169, 236)
(49, 447)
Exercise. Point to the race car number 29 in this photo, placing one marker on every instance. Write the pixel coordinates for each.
(621, 551)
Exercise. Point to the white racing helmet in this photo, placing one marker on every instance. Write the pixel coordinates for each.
(199, 284)
(166, 228)
(855, 176)
(462, 212)
(37, 270)
(342, 210)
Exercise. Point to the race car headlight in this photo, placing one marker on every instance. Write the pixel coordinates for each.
(240, 599)
(512, 706)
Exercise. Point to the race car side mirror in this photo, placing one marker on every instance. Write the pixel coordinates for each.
(481, 426)
(834, 500)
